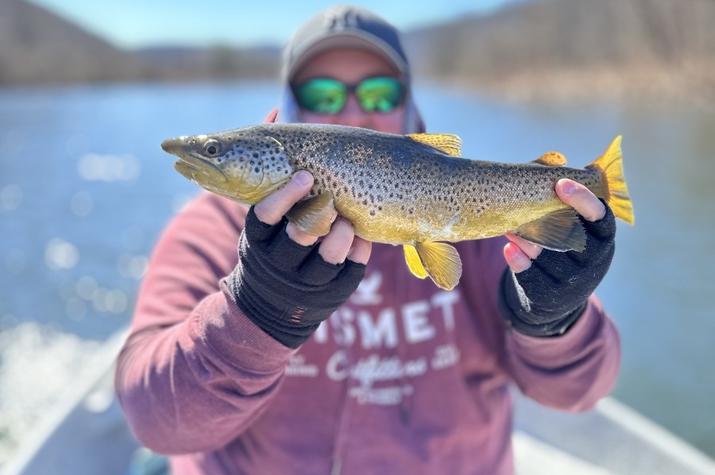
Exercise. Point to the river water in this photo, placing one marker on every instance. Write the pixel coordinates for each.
(85, 190)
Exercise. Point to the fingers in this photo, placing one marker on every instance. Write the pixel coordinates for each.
(603, 229)
(516, 259)
(299, 236)
(529, 248)
(360, 251)
(341, 243)
(336, 244)
(273, 207)
(581, 199)
(271, 117)
(519, 253)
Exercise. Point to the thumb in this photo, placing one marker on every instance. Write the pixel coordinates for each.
(272, 116)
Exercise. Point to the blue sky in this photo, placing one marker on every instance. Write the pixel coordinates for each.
(132, 23)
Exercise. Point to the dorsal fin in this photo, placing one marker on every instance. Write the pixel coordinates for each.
(446, 143)
(552, 159)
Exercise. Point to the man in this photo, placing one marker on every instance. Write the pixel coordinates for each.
(238, 375)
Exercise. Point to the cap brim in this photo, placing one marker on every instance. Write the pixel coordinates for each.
(357, 40)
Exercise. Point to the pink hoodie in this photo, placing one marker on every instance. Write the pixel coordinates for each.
(403, 378)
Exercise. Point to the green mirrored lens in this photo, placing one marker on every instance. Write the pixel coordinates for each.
(379, 94)
(322, 95)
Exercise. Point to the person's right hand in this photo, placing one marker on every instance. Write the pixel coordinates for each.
(286, 281)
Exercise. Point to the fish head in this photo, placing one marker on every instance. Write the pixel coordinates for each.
(243, 164)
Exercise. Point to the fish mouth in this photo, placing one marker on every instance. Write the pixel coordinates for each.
(204, 167)
(200, 165)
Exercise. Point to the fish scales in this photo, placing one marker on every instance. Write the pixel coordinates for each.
(395, 190)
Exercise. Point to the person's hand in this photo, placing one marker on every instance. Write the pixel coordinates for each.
(271, 117)
(544, 292)
(286, 281)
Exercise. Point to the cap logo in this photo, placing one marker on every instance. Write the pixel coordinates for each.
(341, 20)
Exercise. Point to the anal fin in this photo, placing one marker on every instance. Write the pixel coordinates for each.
(441, 262)
(558, 231)
(314, 215)
(414, 263)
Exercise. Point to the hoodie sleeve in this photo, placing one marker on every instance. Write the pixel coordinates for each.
(194, 371)
(569, 372)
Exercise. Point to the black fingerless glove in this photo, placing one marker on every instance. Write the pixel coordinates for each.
(548, 297)
(285, 288)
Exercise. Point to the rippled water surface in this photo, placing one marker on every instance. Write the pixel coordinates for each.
(85, 191)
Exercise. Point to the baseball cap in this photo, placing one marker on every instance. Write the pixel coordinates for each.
(343, 26)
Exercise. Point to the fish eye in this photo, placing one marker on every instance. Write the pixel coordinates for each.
(212, 147)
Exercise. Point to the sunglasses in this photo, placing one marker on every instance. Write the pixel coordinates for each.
(329, 96)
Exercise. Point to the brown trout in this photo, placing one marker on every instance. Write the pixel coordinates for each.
(410, 190)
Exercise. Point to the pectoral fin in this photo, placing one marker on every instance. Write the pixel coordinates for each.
(414, 263)
(314, 215)
(551, 159)
(446, 143)
(559, 231)
(438, 260)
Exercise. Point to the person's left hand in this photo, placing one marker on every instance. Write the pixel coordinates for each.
(544, 291)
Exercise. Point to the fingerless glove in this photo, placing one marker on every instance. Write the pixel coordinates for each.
(548, 297)
(285, 288)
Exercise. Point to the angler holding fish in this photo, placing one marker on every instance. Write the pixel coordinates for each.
(268, 361)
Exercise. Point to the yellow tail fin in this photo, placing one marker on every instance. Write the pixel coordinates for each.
(610, 164)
